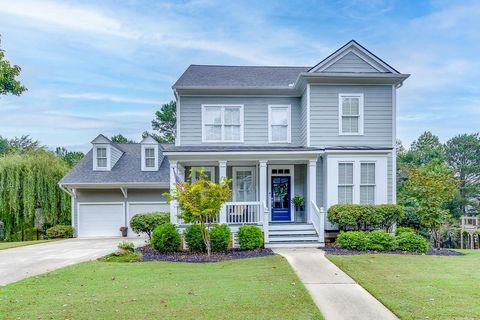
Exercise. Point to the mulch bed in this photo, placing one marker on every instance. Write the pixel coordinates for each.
(334, 250)
(149, 254)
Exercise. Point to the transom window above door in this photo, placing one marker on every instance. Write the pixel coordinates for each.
(351, 114)
(279, 124)
(222, 123)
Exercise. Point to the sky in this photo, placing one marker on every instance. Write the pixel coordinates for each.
(106, 66)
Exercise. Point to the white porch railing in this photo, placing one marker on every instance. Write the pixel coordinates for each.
(243, 212)
(317, 216)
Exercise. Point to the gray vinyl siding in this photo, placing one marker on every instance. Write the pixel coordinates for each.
(324, 115)
(115, 155)
(255, 118)
(350, 63)
(320, 183)
(303, 118)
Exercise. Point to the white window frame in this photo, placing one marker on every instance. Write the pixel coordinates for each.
(234, 180)
(155, 148)
(222, 106)
(374, 185)
(360, 111)
(289, 122)
(352, 185)
(108, 154)
(210, 170)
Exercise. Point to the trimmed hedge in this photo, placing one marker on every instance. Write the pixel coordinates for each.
(220, 237)
(353, 240)
(401, 230)
(379, 240)
(409, 241)
(147, 222)
(165, 238)
(365, 216)
(250, 237)
(194, 239)
(59, 231)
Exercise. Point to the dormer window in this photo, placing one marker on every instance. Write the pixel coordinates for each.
(101, 158)
(149, 154)
(149, 157)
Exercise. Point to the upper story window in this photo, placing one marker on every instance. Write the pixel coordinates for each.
(367, 182)
(351, 114)
(222, 123)
(101, 155)
(279, 124)
(149, 157)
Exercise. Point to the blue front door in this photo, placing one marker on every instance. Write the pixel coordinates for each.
(281, 198)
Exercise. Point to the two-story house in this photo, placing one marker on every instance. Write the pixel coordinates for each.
(323, 134)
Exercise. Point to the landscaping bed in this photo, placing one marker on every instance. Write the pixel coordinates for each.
(149, 254)
(337, 251)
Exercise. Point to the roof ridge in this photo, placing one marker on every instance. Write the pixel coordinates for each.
(248, 66)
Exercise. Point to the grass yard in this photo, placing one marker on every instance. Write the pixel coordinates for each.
(8, 245)
(260, 288)
(420, 287)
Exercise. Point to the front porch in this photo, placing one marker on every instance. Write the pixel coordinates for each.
(262, 193)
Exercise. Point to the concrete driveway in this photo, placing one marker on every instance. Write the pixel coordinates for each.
(23, 262)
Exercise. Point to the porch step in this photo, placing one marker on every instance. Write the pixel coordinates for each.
(292, 232)
(283, 235)
(290, 226)
(294, 244)
(293, 238)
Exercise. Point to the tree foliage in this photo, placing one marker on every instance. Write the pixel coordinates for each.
(28, 182)
(8, 73)
(201, 201)
(119, 138)
(70, 157)
(165, 123)
(424, 150)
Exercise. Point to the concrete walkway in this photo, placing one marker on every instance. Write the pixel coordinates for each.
(22, 262)
(335, 293)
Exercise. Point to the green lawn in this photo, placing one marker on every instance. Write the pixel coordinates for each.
(420, 287)
(8, 245)
(260, 288)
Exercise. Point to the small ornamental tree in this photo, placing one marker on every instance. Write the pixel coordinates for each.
(200, 201)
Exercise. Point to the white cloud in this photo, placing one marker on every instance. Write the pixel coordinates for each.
(109, 97)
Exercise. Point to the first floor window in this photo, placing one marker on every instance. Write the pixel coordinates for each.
(208, 171)
(351, 113)
(101, 157)
(367, 183)
(150, 157)
(345, 182)
(279, 121)
(243, 184)
(222, 123)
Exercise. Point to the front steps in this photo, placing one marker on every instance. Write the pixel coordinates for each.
(292, 235)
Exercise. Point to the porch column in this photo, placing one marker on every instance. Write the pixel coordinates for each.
(173, 185)
(262, 190)
(222, 172)
(312, 186)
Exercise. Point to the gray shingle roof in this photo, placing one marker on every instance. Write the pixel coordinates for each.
(198, 76)
(126, 170)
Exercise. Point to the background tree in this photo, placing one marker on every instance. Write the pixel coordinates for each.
(119, 138)
(8, 73)
(200, 201)
(463, 157)
(4, 145)
(165, 123)
(70, 157)
(424, 150)
(428, 190)
(23, 144)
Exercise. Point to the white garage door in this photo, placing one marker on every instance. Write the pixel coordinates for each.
(100, 220)
(144, 207)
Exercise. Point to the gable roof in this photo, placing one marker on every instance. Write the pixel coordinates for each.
(127, 170)
(360, 51)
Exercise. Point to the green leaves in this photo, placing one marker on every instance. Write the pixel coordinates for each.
(8, 73)
(165, 123)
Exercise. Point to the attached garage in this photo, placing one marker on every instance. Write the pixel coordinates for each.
(144, 207)
(100, 219)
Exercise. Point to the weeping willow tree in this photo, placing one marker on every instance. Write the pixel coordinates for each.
(28, 184)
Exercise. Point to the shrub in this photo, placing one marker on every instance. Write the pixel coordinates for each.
(401, 230)
(165, 238)
(353, 240)
(380, 240)
(194, 239)
(220, 237)
(60, 231)
(250, 237)
(126, 246)
(124, 257)
(409, 241)
(365, 216)
(147, 222)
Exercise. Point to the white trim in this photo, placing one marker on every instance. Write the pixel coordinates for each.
(223, 106)
(234, 180)
(98, 203)
(211, 170)
(155, 148)
(394, 145)
(291, 167)
(125, 192)
(360, 113)
(108, 152)
(177, 123)
(308, 114)
(206, 153)
(289, 122)
(347, 48)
